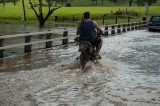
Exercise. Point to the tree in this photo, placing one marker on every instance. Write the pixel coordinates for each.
(102, 2)
(39, 13)
(24, 11)
(130, 2)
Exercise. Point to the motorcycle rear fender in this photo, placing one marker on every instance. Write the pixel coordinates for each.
(85, 46)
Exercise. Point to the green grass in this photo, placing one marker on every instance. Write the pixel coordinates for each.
(86, 3)
(78, 11)
(9, 13)
(16, 12)
(107, 3)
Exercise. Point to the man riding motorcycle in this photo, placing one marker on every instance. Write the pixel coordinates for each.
(88, 32)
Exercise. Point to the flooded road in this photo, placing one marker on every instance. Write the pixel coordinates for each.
(127, 75)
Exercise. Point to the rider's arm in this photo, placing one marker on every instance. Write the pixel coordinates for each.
(98, 28)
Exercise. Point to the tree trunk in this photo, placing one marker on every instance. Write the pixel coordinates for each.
(42, 19)
(24, 11)
(130, 2)
(4, 2)
(102, 2)
(14, 2)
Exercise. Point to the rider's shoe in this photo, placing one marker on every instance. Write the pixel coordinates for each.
(98, 57)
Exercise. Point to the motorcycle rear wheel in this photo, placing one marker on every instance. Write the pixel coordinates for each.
(83, 60)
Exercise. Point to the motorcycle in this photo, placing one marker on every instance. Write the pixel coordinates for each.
(87, 53)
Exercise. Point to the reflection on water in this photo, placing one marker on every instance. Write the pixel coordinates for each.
(127, 75)
(7, 29)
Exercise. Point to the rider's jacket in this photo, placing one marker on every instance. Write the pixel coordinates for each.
(87, 31)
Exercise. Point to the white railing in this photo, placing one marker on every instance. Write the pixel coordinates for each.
(109, 30)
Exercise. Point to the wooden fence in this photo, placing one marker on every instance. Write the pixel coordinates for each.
(120, 28)
(109, 30)
(103, 18)
(28, 43)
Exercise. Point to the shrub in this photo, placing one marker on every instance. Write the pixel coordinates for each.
(68, 4)
(124, 12)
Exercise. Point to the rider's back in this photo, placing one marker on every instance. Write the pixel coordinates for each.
(87, 31)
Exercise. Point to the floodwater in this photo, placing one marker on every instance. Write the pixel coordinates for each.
(9, 29)
(127, 75)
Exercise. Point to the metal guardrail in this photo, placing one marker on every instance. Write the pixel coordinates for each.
(116, 28)
(31, 43)
(28, 44)
(25, 34)
(125, 27)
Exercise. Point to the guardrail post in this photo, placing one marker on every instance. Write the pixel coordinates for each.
(49, 43)
(56, 18)
(27, 48)
(106, 31)
(65, 41)
(113, 30)
(142, 25)
(119, 29)
(103, 18)
(128, 19)
(116, 20)
(124, 28)
(144, 19)
(146, 24)
(132, 26)
(73, 19)
(136, 26)
(139, 25)
(1, 51)
(63, 18)
(128, 27)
